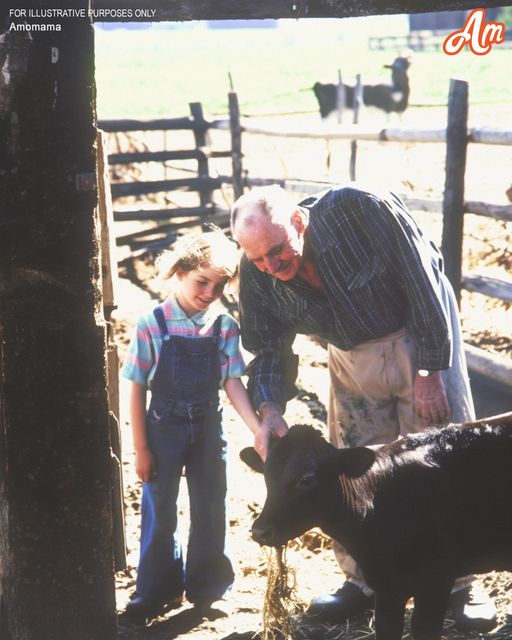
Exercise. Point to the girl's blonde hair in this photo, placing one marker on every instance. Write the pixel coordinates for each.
(194, 250)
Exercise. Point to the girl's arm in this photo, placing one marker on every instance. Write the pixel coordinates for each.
(239, 398)
(144, 461)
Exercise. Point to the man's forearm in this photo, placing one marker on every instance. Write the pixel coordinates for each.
(268, 407)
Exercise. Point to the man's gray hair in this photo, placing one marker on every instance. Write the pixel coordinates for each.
(272, 202)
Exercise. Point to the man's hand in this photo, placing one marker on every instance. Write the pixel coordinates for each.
(145, 465)
(430, 400)
(272, 424)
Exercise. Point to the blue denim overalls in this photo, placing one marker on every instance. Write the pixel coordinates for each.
(184, 430)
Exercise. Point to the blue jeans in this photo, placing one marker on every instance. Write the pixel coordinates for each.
(196, 445)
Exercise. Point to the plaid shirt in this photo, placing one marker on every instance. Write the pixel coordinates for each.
(378, 272)
(142, 357)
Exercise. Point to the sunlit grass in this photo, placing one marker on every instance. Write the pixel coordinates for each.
(157, 72)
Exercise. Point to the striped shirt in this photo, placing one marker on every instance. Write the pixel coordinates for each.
(142, 357)
(378, 272)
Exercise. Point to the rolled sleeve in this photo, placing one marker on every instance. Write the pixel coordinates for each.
(273, 370)
(231, 361)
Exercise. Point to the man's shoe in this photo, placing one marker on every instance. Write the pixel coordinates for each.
(144, 608)
(347, 602)
(472, 610)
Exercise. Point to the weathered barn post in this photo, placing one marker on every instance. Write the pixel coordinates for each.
(56, 570)
(236, 144)
(202, 145)
(453, 200)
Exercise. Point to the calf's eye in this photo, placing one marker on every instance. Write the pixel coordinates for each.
(307, 481)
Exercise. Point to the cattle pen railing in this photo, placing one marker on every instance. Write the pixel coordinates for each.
(456, 136)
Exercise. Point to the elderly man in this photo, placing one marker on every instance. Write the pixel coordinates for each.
(351, 266)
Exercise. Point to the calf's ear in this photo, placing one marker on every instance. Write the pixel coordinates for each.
(355, 461)
(252, 459)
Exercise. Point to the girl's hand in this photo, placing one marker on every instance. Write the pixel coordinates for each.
(145, 465)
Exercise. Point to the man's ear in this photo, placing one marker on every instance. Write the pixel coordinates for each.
(355, 461)
(298, 221)
(252, 459)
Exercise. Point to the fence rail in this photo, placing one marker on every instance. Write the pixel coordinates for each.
(483, 135)
(422, 40)
(203, 183)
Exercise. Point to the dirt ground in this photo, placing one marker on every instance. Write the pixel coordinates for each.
(486, 323)
(239, 616)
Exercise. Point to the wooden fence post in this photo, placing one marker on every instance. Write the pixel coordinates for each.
(358, 100)
(453, 200)
(236, 144)
(340, 98)
(196, 110)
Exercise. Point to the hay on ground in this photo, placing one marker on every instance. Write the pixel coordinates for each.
(281, 604)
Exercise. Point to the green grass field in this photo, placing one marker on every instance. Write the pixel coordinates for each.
(156, 73)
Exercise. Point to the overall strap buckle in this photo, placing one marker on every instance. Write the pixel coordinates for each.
(158, 312)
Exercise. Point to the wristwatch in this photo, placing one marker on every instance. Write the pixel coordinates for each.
(424, 373)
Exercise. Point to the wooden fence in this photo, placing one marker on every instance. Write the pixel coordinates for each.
(416, 40)
(203, 183)
(456, 136)
(423, 40)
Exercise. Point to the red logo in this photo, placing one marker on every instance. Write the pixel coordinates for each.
(479, 34)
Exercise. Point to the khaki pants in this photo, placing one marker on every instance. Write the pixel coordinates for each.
(371, 398)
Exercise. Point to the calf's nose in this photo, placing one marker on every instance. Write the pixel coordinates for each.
(262, 534)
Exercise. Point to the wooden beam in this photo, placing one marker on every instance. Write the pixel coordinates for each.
(164, 156)
(358, 102)
(350, 132)
(56, 570)
(200, 128)
(109, 286)
(453, 201)
(493, 287)
(155, 186)
(493, 366)
(161, 214)
(490, 135)
(497, 211)
(114, 126)
(236, 144)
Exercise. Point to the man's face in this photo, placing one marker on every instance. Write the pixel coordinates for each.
(273, 248)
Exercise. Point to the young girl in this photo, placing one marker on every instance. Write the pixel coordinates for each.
(183, 351)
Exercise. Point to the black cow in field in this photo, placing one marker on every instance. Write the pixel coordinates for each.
(415, 514)
(391, 98)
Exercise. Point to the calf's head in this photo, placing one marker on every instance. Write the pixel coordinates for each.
(302, 477)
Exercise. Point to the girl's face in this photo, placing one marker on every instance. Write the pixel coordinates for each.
(199, 288)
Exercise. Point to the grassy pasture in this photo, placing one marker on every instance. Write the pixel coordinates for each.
(157, 72)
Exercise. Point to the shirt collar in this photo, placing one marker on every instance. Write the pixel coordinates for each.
(174, 313)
